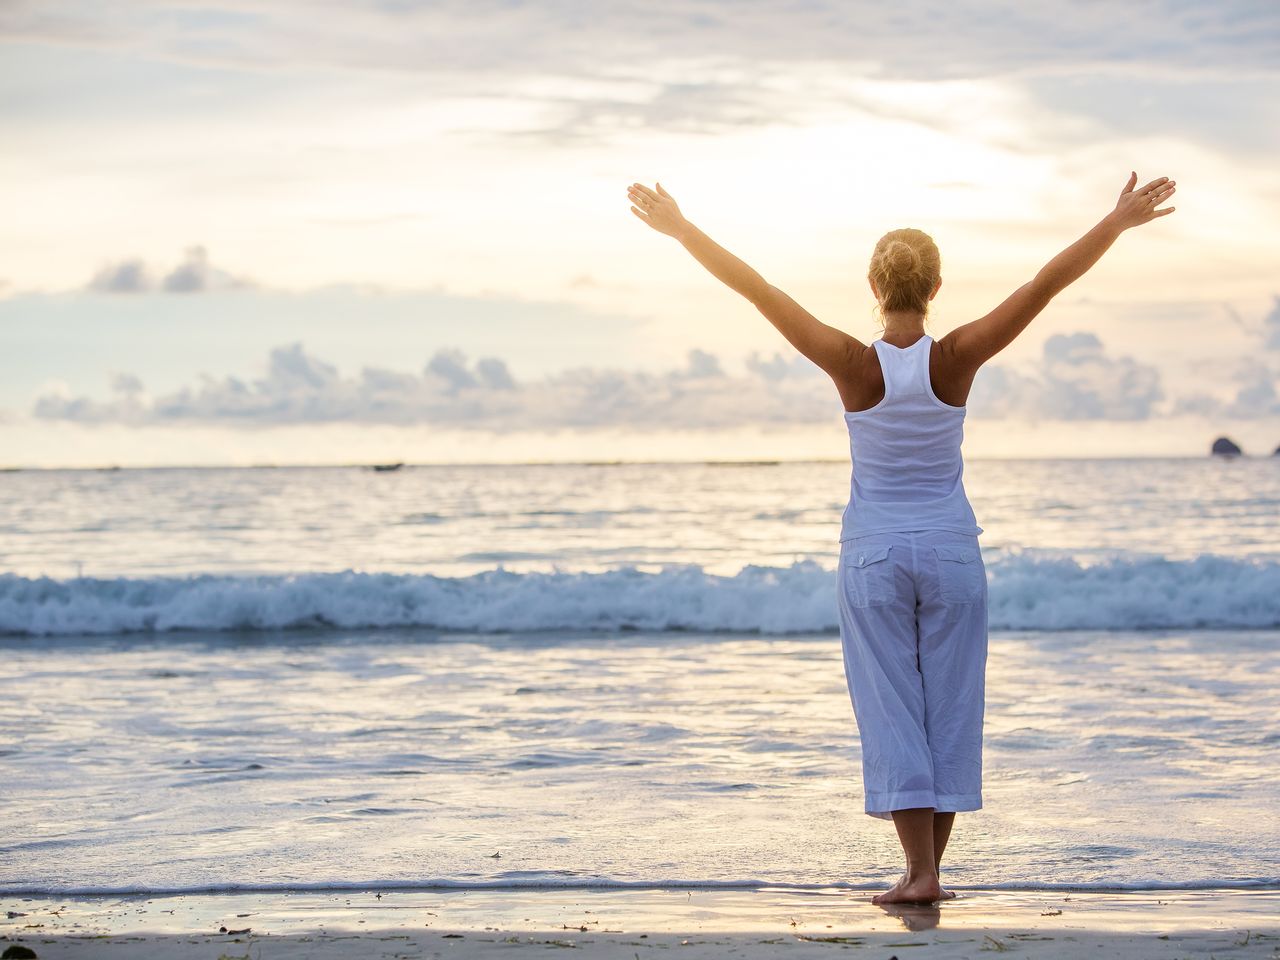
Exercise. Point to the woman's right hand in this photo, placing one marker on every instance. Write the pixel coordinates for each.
(657, 208)
(1136, 207)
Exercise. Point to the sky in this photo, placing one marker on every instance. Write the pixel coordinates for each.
(313, 232)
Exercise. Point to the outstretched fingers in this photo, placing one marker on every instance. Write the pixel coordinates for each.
(1140, 206)
(656, 208)
(1159, 196)
(643, 197)
(644, 218)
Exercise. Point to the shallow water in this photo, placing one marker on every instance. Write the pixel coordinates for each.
(456, 520)
(404, 758)
(612, 674)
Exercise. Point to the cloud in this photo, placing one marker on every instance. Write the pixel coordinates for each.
(453, 391)
(1075, 379)
(1252, 392)
(194, 274)
(776, 368)
(1256, 393)
(703, 101)
(707, 65)
(703, 364)
(1253, 395)
(125, 276)
(425, 36)
(1271, 326)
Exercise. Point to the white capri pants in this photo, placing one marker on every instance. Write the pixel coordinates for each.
(913, 625)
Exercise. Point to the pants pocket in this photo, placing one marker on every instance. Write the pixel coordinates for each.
(961, 574)
(868, 576)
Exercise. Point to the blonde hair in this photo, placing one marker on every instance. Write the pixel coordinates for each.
(905, 266)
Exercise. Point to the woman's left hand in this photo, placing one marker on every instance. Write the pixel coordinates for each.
(657, 208)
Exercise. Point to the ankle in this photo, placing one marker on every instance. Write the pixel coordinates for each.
(922, 873)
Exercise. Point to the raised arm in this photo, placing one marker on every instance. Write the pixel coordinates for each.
(977, 342)
(831, 349)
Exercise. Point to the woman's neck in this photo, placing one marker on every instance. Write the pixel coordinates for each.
(903, 329)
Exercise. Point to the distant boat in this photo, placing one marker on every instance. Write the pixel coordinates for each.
(387, 467)
(1225, 447)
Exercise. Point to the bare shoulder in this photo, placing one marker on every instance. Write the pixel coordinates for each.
(861, 385)
(951, 370)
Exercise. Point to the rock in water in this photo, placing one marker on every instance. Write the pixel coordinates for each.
(1226, 447)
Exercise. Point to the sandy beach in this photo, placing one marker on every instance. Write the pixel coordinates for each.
(637, 922)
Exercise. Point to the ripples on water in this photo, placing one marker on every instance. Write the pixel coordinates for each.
(458, 520)
(1115, 759)
(406, 756)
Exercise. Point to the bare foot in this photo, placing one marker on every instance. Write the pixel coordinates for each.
(947, 894)
(924, 889)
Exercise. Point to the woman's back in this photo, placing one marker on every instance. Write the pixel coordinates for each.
(912, 586)
(907, 466)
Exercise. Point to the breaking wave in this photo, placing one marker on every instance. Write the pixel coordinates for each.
(1026, 592)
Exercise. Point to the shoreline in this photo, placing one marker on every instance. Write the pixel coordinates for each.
(744, 462)
(553, 889)
(626, 922)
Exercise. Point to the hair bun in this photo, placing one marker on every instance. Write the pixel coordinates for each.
(905, 270)
(901, 258)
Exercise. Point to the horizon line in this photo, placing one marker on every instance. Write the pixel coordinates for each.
(753, 462)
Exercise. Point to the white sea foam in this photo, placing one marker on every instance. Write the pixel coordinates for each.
(1027, 592)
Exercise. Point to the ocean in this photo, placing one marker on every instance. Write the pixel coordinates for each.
(612, 675)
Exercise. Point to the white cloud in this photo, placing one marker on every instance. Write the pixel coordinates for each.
(1076, 380)
(193, 274)
(1271, 326)
(1256, 396)
(431, 36)
(123, 276)
(452, 391)
(705, 65)
(1251, 388)
(1253, 394)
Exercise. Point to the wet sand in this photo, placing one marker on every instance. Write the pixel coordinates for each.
(631, 923)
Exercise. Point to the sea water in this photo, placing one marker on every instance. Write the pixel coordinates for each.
(612, 674)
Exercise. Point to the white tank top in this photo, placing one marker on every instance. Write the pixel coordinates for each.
(907, 469)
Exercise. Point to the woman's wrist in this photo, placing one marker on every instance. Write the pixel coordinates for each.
(685, 231)
(1115, 222)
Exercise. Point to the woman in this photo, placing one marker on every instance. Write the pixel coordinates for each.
(913, 589)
